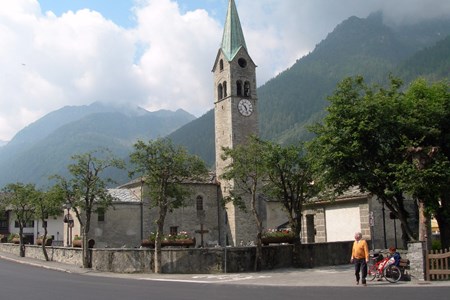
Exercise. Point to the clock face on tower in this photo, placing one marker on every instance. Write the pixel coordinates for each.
(245, 107)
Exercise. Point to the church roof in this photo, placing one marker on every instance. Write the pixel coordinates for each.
(123, 195)
(233, 37)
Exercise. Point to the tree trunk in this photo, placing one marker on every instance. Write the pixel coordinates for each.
(21, 244)
(159, 236)
(86, 252)
(296, 226)
(44, 242)
(258, 255)
(444, 226)
(424, 226)
(402, 214)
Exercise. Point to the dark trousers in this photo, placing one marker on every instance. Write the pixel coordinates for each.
(360, 266)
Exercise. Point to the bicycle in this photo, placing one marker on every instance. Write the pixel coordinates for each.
(392, 273)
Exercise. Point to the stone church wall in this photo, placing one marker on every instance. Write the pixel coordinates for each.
(121, 226)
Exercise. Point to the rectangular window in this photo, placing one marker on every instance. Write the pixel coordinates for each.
(29, 224)
(100, 215)
(199, 203)
(173, 230)
(3, 225)
(4, 222)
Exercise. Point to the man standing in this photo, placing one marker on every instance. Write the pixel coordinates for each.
(360, 257)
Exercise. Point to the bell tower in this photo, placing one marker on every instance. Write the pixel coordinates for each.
(236, 114)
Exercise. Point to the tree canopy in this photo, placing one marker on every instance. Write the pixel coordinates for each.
(164, 168)
(247, 169)
(86, 189)
(367, 137)
(19, 198)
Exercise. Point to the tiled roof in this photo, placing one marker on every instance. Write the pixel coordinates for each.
(124, 195)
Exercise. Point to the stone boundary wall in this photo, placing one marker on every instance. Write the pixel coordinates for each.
(71, 256)
(194, 260)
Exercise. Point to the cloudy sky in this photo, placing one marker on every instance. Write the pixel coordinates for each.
(156, 54)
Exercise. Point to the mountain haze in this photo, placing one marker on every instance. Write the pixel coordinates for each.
(45, 147)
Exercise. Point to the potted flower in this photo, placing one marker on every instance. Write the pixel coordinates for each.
(182, 238)
(277, 236)
(14, 238)
(48, 241)
(150, 241)
(77, 241)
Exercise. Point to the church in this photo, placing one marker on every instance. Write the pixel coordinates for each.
(204, 216)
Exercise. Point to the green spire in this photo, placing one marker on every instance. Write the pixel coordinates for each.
(233, 37)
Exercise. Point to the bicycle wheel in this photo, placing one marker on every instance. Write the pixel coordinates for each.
(392, 273)
(372, 272)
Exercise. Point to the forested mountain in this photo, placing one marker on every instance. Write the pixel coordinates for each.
(432, 63)
(288, 103)
(297, 97)
(45, 147)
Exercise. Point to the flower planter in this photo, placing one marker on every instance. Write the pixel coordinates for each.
(16, 240)
(48, 242)
(79, 243)
(148, 243)
(179, 243)
(166, 243)
(277, 240)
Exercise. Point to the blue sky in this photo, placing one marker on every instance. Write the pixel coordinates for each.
(120, 11)
(156, 54)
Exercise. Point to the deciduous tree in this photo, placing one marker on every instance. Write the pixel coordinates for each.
(247, 170)
(359, 144)
(290, 181)
(391, 143)
(86, 189)
(47, 204)
(18, 198)
(165, 170)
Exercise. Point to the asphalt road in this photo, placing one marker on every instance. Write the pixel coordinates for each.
(23, 281)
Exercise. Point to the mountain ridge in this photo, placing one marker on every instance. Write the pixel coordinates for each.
(288, 103)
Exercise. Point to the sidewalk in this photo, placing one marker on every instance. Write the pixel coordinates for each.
(324, 276)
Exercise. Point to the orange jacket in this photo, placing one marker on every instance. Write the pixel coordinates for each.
(360, 250)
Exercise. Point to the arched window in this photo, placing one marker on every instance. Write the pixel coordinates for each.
(247, 89)
(221, 65)
(224, 88)
(199, 203)
(220, 91)
(239, 87)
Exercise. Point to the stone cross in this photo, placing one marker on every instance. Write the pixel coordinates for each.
(201, 231)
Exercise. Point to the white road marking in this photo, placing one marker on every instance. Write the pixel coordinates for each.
(209, 278)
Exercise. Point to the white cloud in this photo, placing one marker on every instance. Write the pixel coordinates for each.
(50, 61)
(180, 51)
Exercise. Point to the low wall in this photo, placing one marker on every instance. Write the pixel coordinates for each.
(194, 260)
(71, 256)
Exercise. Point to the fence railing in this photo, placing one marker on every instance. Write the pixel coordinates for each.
(437, 265)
